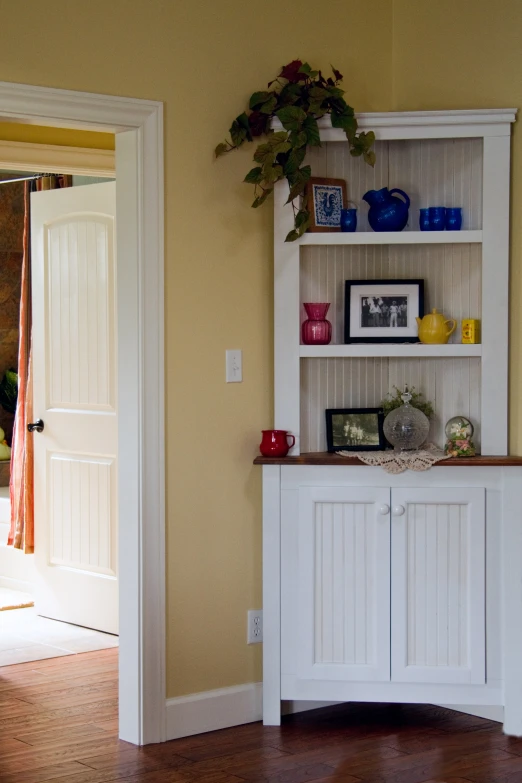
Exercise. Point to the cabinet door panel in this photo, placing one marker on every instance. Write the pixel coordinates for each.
(438, 585)
(344, 583)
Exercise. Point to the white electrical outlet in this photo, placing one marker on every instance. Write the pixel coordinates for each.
(234, 366)
(254, 626)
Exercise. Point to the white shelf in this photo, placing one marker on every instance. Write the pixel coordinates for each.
(391, 238)
(405, 350)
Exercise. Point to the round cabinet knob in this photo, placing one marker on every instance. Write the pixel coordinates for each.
(384, 510)
(398, 511)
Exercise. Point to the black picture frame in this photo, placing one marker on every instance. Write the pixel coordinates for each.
(353, 442)
(355, 331)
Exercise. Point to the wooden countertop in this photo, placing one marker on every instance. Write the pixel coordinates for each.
(325, 458)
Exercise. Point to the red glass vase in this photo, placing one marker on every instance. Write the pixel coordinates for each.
(316, 330)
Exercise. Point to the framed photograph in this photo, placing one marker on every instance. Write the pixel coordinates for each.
(382, 311)
(355, 429)
(326, 198)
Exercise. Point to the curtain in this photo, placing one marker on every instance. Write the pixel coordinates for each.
(21, 532)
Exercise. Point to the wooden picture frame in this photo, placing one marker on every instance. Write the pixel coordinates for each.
(325, 195)
(382, 311)
(355, 429)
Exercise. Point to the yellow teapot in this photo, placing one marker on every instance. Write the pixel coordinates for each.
(433, 328)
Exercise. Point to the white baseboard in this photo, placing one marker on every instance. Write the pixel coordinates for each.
(17, 584)
(198, 713)
(490, 712)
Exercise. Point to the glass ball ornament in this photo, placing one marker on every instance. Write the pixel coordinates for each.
(406, 427)
(459, 428)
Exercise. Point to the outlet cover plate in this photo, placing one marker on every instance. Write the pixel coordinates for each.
(254, 626)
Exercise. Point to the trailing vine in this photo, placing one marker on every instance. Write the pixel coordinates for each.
(298, 97)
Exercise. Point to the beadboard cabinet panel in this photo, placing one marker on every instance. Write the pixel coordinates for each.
(438, 585)
(344, 583)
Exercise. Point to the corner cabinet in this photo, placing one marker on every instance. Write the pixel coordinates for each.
(398, 588)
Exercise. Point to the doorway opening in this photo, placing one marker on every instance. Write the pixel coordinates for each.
(50, 602)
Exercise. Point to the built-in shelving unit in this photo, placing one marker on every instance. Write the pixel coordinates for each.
(442, 158)
(406, 350)
(392, 238)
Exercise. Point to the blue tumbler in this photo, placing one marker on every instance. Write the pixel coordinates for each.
(437, 218)
(453, 218)
(348, 219)
(424, 219)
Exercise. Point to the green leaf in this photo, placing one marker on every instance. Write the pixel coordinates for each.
(356, 152)
(311, 129)
(272, 174)
(277, 138)
(269, 106)
(298, 182)
(262, 152)
(289, 94)
(262, 198)
(291, 117)
(221, 149)
(369, 157)
(240, 130)
(254, 176)
(297, 139)
(292, 236)
(295, 159)
(305, 68)
(258, 98)
(319, 93)
(302, 217)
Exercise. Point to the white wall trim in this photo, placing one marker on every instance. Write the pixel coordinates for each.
(138, 125)
(198, 713)
(53, 158)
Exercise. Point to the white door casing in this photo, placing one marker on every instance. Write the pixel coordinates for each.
(438, 585)
(344, 583)
(74, 378)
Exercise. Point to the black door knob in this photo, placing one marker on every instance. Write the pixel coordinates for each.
(37, 425)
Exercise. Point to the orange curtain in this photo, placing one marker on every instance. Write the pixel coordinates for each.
(21, 532)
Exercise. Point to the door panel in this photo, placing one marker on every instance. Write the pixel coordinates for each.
(344, 583)
(438, 585)
(74, 371)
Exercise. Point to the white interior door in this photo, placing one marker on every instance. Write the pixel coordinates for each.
(74, 373)
(438, 585)
(344, 584)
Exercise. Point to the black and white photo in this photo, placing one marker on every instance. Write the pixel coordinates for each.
(355, 429)
(382, 311)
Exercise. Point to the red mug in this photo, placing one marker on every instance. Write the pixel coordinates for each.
(275, 443)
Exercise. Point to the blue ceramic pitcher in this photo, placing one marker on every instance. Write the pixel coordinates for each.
(387, 212)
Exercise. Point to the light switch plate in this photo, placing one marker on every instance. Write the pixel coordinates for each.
(234, 366)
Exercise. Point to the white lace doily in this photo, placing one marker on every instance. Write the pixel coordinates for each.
(399, 461)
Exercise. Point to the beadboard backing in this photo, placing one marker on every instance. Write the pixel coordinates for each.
(452, 385)
(433, 172)
(452, 277)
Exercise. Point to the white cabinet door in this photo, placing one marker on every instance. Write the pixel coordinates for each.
(344, 583)
(438, 585)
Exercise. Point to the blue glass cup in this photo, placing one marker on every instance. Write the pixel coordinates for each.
(348, 219)
(453, 218)
(437, 218)
(424, 219)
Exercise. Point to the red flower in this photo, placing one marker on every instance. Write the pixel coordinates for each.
(291, 72)
(257, 122)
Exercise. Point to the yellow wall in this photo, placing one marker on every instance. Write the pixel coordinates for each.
(203, 59)
(463, 54)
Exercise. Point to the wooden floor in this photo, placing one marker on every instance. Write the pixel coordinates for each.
(58, 722)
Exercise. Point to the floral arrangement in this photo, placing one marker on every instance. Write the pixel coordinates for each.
(298, 97)
(392, 401)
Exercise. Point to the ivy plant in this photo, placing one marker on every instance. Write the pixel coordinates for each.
(298, 97)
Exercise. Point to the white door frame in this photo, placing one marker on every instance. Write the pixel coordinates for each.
(138, 126)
